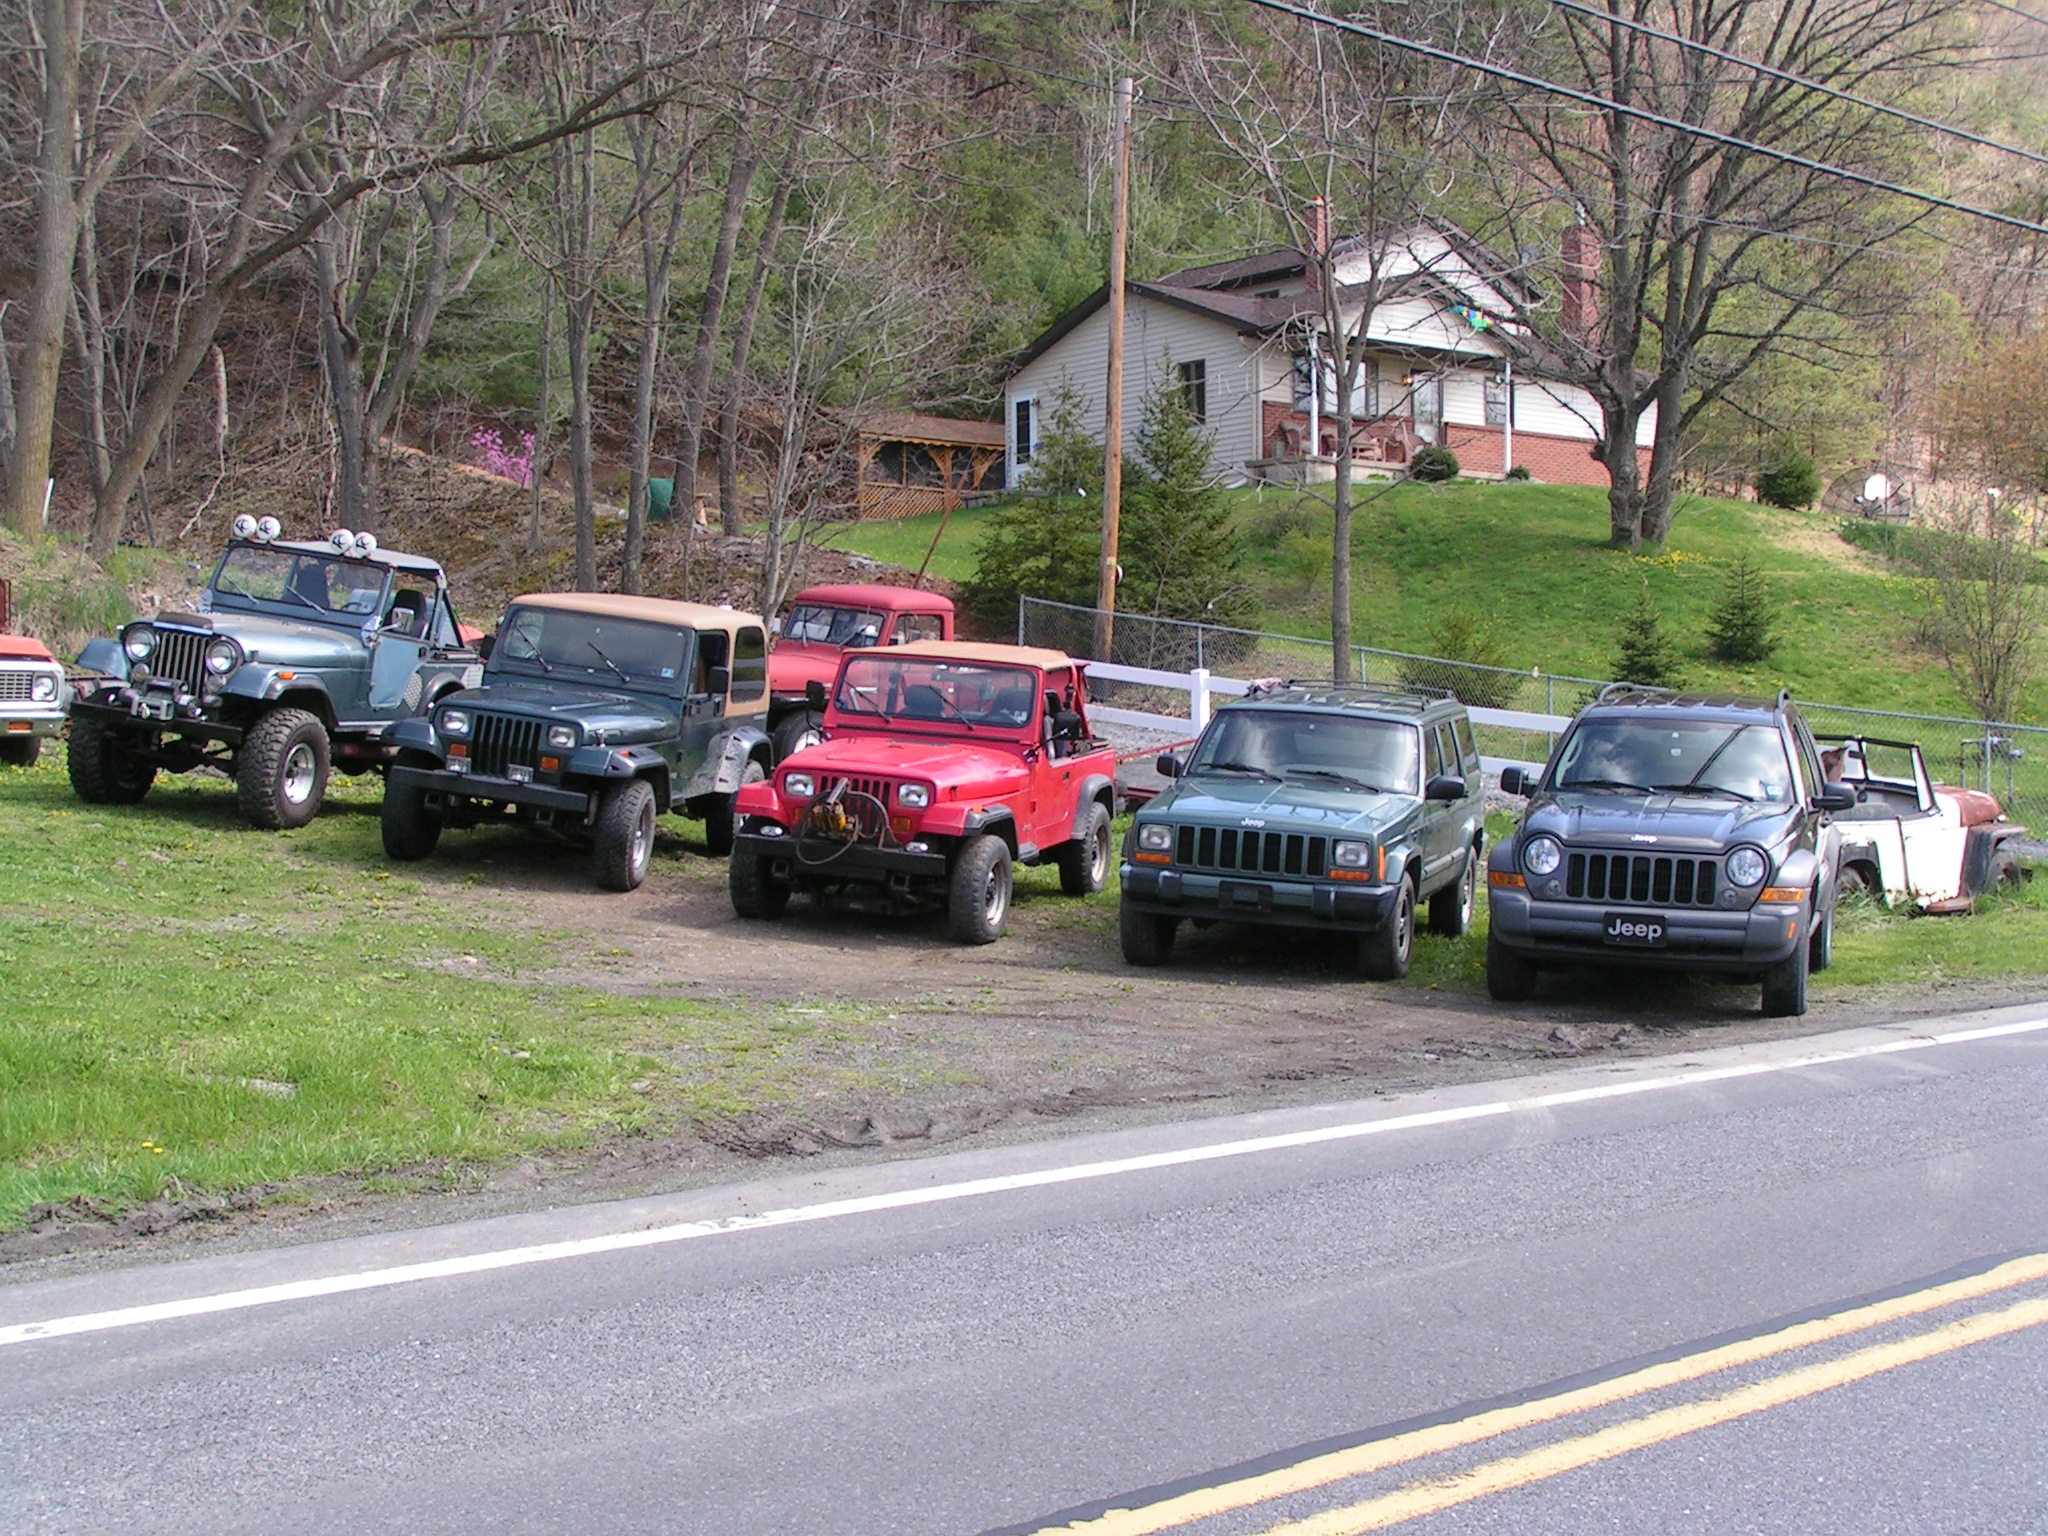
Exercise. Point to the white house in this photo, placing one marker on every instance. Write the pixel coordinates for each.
(1444, 364)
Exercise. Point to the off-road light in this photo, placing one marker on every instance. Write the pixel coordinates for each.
(1747, 866)
(1542, 855)
(562, 737)
(138, 640)
(799, 786)
(44, 688)
(1351, 855)
(268, 528)
(222, 657)
(342, 540)
(1155, 837)
(454, 722)
(138, 674)
(366, 543)
(914, 797)
(245, 526)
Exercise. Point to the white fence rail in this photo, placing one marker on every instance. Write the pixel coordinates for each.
(1200, 685)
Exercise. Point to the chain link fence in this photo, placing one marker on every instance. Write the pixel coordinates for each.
(2010, 761)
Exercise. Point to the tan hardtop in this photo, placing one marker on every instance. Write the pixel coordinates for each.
(978, 651)
(655, 610)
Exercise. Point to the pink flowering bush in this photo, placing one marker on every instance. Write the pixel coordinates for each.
(493, 457)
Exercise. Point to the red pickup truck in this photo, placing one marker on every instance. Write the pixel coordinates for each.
(822, 625)
(943, 764)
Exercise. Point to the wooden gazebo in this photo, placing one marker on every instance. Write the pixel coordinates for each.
(909, 464)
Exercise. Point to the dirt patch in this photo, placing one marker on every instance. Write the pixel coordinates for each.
(909, 1042)
(1820, 539)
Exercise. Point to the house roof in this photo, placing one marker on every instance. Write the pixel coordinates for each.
(915, 427)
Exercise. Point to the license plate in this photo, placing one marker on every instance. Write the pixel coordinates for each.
(1246, 894)
(1644, 930)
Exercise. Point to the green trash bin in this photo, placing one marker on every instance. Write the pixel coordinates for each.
(661, 497)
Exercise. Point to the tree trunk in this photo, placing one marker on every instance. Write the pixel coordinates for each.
(1660, 493)
(1624, 474)
(341, 363)
(657, 261)
(743, 341)
(543, 415)
(690, 435)
(56, 207)
(580, 311)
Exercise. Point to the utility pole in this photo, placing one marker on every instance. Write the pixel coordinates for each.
(1113, 418)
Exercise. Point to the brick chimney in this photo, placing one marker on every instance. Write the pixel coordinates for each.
(1318, 241)
(1579, 306)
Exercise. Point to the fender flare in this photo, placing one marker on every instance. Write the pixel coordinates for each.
(416, 733)
(104, 657)
(996, 821)
(725, 761)
(260, 684)
(1097, 788)
(1801, 868)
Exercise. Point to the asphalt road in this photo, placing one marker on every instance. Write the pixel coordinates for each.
(1790, 1287)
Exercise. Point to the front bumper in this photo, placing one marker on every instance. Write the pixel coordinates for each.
(1279, 903)
(792, 858)
(1693, 939)
(157, 711)
(494, 791)
(19, 720)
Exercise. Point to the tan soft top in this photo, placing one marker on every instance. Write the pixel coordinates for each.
(657, 610)
(973, 650)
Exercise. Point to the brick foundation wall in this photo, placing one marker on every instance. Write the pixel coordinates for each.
(1553, 460)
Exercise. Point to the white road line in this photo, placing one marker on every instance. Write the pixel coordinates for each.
(651, 1237)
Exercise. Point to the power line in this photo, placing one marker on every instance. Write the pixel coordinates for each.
(2001, 5)
(1613, 19)
(1643, 114)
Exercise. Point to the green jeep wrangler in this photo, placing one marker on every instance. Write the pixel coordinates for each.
(1330, 807)
(595, 714)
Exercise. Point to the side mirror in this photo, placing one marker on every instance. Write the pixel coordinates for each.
(721, 681)
(775, 626)
(1835, 796)
(485, 646)
(400, 618)
(1513, 781)
(814, 694)
(1445, 786)
(1168, 766)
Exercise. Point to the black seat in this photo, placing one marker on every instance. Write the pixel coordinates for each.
(416, 601)
(921, 701)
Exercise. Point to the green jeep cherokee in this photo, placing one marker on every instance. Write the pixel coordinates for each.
(1340, 808)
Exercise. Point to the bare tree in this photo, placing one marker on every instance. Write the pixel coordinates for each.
(1328, 127)
(1987, 600)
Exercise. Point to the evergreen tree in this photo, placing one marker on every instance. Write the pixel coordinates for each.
(1742, 629)
(1182, 559)
(1790, 480)
(1046, 543)
(1644, 653)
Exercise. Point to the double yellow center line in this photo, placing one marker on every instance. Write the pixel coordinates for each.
(1431, 1495)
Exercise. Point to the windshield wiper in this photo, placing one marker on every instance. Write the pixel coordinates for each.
(610, 663)
(1636, 789)
(1701, 789)
(1258, 773)
(534, 655)
(1334, 773)
(298, 597)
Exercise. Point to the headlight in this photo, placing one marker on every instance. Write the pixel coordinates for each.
(1747, 866)
(44, 688)
(562, 737)
(1352, 855)
(222, 657)
(1541, 855)
(799, 786)
(454, 722)
(1155, 837)
(914, 796)
(138, 640)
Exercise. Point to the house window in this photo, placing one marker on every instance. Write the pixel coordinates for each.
(1497, 402)
(1426, 396)
(1024, 437)
(1194, 387)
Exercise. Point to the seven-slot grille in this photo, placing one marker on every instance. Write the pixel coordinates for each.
(17, 686)
(1654, 879)
(1252, 853)
(180, 654)
(498, 741)
(879, 788)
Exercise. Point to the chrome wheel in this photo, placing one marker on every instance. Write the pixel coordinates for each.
(641, 849)
(301, 773)
(995, 896)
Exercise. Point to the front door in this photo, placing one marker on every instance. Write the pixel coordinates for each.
(394, 664)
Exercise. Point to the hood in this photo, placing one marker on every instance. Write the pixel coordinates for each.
(950, 763)
(621, 716)
(21, 648)
(1221, 799)
(1704, 823)
(792, 667)
(279, 642)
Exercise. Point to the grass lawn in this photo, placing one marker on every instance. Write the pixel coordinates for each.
(1534, 561)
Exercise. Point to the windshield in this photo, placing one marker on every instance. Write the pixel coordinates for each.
(551, 640)
(817, 624)
(322, 583)
(1380, 755)
(953, 691)
(1694, 756)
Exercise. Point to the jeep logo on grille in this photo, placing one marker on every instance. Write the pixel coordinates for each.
(1255, 821)
(1626, 928)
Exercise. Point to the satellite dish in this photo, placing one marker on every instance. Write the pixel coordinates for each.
(1877, 488)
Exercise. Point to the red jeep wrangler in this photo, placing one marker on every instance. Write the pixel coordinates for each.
(823, 624)
(942, 763)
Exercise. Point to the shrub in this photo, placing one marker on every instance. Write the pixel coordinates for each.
(1463, 644)
(1433, 464)
(1520, 472)
(1643, 652)
(1742, 627)
(1790, 480)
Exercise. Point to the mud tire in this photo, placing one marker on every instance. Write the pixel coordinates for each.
(718, 820)
(1450, 909)
(104, 770)
(1146, 937)
(1084, 863)
(1784, 989)
(978, 891)
(282, 770)
(795, 732)
(756, 895)
(411, 831)
(622, 849)
(20, 751)
(1384, 953)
